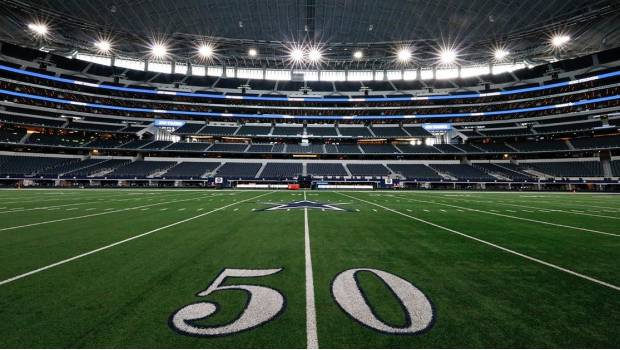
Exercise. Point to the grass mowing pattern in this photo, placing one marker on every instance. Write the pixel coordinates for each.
(484, 297)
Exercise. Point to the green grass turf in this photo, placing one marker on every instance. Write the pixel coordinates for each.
(483, 297)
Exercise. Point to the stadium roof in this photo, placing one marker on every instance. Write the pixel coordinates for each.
(375, 26)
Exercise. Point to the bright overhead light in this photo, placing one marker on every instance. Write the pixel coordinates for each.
(314, 55)
(560, 40)
(159, 50)
(404, 55)
(296, 55)
(205, 50)
(358, 54)
(39, 29)
(500, 54)
(447, 56)
(103, 46)
(252, 52)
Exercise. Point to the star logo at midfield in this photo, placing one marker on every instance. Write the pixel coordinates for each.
(304, 204)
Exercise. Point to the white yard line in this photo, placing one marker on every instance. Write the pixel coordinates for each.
(577, 274)
(311, 332)
(92, 201)
(61, 262)
(544, 210)
(88, 196)
(91, 215)
(519, 218)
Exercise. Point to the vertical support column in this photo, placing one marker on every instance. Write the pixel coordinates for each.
(605, 159)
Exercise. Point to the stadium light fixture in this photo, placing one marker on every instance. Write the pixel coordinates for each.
(559, 40)
(314, 54)
(447, 56)
(159, 50)
(500, 54)
(252, 52)
(103, 46)
(205, 50)
(38, 28)
(296, 55)
(404, 55)
(358, 55)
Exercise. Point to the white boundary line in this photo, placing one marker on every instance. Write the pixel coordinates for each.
(539, 208)
(311, 331)
(61, 262)
(591, 279)
(97, 214)
(73, 196)
(516, 217)
(98, 201)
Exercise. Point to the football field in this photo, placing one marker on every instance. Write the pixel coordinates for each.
(210, 269)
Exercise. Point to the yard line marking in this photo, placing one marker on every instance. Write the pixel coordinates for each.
(72, 209)
(67, 198)
(61, 262)
(181, 209)
(200, 209)
(91, 215)
(543, 210)
(89, 209)
(409, 210)
(15, 210)
(311, 333)
(520, 218)
(162, 209)
(235, 209)
(591, 279)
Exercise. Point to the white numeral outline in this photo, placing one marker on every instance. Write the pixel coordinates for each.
(355, 305)
(263, 304)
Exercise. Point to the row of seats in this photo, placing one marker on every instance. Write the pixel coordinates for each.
(569, 169)
(322, 131)
(463, 172)
(73, 125)
(506, 170)
(74, 140)
(124, 168)
(31, 166)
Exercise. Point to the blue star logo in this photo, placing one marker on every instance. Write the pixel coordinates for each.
(305, 204)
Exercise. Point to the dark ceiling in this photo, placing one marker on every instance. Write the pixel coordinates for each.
(334, 20)
(474, 24)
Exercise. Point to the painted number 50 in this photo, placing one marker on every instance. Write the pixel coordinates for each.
(265, 303)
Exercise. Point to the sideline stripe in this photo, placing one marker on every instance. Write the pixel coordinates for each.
(518, 218)
(591, 279)
(107, 211)
(76, 196)
(311, 333)
(15, 278)
(572, 211)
